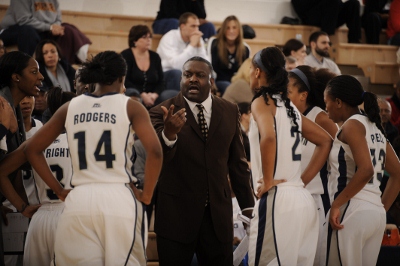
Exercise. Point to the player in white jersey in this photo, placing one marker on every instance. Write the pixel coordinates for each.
(31, 126)
(103, 221)
(358, 157)
(39, 244)
(284, 230)
(306, 91)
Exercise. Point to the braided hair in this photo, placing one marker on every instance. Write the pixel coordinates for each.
(271, 61)
(105, 68)
(348, 89)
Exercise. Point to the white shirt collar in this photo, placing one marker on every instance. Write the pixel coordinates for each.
(207, 105)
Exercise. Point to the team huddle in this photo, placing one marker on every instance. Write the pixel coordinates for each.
(316, 164)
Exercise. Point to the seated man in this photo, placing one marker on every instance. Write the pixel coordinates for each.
(318, 58)
(29, 21)
(177, 46)
(171, 10)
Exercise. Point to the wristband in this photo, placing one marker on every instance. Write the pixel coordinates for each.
(51, 27)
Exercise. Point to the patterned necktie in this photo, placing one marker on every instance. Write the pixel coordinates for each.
(202, 121)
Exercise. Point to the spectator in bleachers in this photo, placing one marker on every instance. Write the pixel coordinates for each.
(331, 14)
(318, 58)
(239, 89)
(395, 104)
(374, 19)
(393, 25)
(170, 10)
(54, 68)
(296, 49)
(386, 112)
(145, 73)
(179, 45)
(227, 51)
(29, 21)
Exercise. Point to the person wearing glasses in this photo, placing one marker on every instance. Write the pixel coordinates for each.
(145, 74)
(319, 56)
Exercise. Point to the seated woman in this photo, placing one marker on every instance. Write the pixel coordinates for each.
(227, 51)
(56, 71)
(296, 49)
(145, 74)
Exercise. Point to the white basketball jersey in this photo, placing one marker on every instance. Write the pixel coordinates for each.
(315, 186)
(59, 160)
(27, 175)
(288, 148)
(342, 165)
(100, 139)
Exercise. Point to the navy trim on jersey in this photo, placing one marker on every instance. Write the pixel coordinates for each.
(126, 147)
(342, 179)
(143, 229)
(99, 96)
(273, 226)
(325, 196)
(337, 232)
(134, 227)
(328, 242)
(308, 110)
(262, 211)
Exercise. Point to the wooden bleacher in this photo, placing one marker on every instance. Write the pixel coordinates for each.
(109, 32)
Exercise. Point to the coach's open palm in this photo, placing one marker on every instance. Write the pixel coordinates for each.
(173, 123)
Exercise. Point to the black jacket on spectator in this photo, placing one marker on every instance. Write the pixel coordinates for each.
(150, 81)
(69, 71)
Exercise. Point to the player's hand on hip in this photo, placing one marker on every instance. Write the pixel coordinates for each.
(63, 194)
(262, 187)
(30, 210)
(334, 218)
(173, 123)
(139, 195)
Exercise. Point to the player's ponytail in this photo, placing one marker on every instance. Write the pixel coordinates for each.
(271, 61)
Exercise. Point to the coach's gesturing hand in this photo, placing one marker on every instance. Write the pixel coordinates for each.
(173, 123)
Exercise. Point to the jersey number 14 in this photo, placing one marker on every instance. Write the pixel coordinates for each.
(105, 140)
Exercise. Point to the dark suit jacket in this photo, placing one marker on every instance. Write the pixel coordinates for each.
(193, 165)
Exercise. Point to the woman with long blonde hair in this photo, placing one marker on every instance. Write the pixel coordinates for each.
(227, 51)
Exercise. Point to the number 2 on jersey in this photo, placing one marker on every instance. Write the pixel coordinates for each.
(105, 140)
(295, 134)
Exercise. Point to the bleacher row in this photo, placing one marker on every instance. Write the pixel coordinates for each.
(110, 32)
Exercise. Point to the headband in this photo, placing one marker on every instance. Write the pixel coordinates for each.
(301, 75)
(257, 60)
